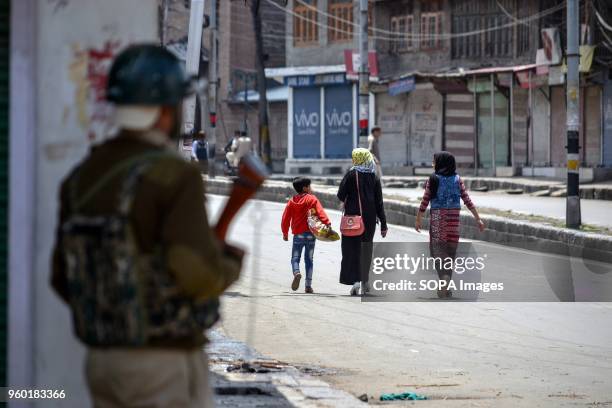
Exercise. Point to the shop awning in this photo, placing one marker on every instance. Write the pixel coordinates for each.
(278, 94)
(298, 71)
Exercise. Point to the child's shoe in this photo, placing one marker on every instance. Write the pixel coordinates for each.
(296, 281)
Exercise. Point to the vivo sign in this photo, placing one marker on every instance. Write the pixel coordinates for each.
(307, 119)
(339, 119)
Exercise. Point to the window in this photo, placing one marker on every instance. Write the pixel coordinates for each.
(431, 28)
(305, 28)
(340, 21)
(431, 24)
(507, 41)
(402, 26)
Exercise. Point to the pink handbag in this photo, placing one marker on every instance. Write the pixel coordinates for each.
(352, 225)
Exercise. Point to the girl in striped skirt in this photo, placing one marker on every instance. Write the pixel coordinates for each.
(443, 190)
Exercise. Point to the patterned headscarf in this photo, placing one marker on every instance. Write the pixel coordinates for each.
(363, 160)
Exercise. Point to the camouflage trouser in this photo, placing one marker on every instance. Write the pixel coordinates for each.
(148, 377)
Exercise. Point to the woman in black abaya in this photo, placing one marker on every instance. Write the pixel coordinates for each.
(356, 258)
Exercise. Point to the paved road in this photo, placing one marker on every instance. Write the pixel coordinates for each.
(594, 212)
(459, 354)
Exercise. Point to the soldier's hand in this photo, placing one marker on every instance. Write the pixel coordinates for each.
(233, 251)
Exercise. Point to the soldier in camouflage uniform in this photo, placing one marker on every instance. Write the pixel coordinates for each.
(135, 258)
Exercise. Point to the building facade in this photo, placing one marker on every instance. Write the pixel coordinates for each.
(483, 79)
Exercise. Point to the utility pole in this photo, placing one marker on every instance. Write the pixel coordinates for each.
(213, 85)
(572, 212)
(364, 73)
(194, 47)
(264, 131)
(164, 20)
(245, 126)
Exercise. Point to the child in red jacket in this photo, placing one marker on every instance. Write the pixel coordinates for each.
(296, 215)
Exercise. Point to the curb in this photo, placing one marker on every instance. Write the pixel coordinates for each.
(586, 191)
(502, 231)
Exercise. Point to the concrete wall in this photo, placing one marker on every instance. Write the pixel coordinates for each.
(70, 55)
(177, 20)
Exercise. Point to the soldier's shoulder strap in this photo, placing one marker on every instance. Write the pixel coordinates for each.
(78, 202)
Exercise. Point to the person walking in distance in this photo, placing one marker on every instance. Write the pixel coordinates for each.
(361, 194)
(374, 148)
(230, 149)
(295, 216)
(199, 151)
(443, 190)
(134, 257)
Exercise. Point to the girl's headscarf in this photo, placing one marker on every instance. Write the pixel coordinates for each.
(444, 165)
(363, 160)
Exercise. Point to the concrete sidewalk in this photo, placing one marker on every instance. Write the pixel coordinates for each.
(243, 378)
(596, 191)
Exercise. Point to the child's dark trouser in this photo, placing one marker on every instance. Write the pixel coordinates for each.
(305, 241)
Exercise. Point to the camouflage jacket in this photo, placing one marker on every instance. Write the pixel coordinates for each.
(166, 214)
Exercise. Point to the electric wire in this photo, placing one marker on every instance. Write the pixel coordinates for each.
(395, 35)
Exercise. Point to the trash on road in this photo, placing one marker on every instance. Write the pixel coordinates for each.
(259, 367)
(404, 396)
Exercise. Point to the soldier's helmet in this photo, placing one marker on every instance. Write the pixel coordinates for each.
(148, 75)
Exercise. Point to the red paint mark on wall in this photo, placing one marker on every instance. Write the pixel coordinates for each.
(89, 71)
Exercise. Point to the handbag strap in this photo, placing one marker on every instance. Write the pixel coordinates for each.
(358, 196)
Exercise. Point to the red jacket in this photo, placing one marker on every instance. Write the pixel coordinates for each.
(296, 213)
